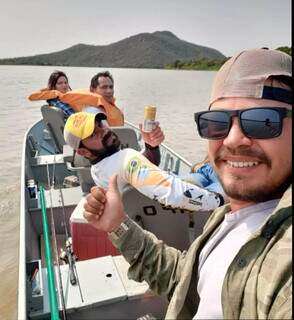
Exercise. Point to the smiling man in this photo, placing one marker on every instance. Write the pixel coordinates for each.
(249, 127)
(241, 266)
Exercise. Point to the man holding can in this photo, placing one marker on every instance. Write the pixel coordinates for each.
(241, 266)
(90, 136)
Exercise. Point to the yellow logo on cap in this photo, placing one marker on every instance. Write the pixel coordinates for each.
(79, 120)
(80, 124)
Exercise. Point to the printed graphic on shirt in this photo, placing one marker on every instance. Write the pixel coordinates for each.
(193, 196)
(166, 188)
(141, 173)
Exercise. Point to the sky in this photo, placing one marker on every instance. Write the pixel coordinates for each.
(29, 27)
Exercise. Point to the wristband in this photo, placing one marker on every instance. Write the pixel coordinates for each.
(121, 230)
(147, 146)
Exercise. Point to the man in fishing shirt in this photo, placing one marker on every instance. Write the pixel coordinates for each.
(91, 137)
(240, 267)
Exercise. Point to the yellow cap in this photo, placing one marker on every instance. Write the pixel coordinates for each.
(80, 126)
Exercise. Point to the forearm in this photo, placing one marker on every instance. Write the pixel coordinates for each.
(166, 188)
(152, 154)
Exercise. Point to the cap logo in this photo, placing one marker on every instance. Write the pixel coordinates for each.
(79, 120)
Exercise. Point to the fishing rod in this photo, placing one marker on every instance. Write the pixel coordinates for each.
(69, 256)
(49, 264)
(53, 234)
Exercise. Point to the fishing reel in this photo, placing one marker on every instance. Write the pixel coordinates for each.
(68, 255)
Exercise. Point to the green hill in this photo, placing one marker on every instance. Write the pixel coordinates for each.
(145, 50)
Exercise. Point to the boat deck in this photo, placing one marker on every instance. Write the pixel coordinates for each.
(107, 293)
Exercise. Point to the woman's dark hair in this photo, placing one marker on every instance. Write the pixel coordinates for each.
(54, 78)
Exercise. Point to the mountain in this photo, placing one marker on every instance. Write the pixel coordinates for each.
(145, 50)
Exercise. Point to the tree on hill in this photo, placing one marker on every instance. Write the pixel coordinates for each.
(209, 64)
(197, 64)
(285, 49)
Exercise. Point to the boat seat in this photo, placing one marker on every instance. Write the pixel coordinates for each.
(54, 121)
(127, 137)
(82, 166)
(176, 227)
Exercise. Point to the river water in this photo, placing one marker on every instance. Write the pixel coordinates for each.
(176, 94)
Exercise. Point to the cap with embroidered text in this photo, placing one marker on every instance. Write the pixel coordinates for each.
(80, 126)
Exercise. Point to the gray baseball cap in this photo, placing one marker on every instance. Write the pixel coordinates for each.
(244, 76)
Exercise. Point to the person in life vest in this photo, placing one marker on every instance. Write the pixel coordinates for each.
(57, 86)
(102, 83)
(99, 95)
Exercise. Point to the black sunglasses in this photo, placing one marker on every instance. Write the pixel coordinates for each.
(255, 123)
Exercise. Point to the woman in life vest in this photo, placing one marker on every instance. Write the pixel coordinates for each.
(59, 81)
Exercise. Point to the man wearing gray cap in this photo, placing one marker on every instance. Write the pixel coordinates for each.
(241, 265)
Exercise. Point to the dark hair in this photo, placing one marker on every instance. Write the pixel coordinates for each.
(54, 78)
(95, 80)
(284, 80)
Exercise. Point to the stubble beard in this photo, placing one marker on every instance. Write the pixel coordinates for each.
(239, 188)
(107, 150)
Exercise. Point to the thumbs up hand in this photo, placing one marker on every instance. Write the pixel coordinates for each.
(104, 208)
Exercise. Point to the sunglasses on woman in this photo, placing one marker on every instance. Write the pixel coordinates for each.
(255, 123)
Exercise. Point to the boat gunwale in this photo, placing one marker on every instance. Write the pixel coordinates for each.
(163, 145)
(21, 300)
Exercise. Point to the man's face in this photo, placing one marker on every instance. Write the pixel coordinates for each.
(102, 143)
(105, 88)
(252, 170)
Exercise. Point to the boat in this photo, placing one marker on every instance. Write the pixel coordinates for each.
(67, 269)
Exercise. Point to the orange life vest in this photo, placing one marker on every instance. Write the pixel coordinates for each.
(45, 94)
(78, 99)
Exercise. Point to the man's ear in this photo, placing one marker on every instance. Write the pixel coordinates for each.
(84, 152)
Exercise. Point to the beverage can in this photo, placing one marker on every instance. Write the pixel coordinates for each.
(32, 188)
(149, 118)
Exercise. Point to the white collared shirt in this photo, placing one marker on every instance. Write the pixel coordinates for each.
(218, 253)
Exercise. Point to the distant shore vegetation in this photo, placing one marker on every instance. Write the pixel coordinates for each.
(207, 64)
(197, 64)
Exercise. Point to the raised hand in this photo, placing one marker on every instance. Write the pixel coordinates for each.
(153, 138)
(104, 208)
